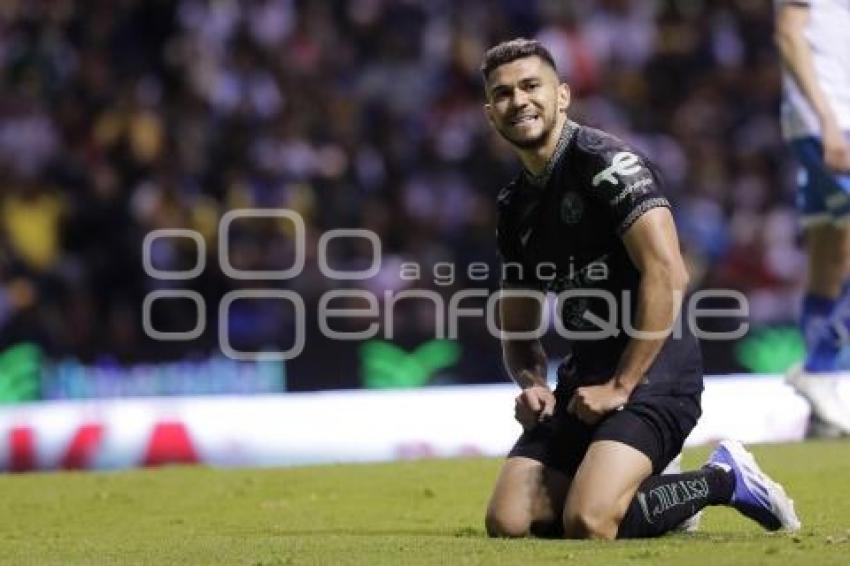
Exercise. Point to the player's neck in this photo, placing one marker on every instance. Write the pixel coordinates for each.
(534, 160)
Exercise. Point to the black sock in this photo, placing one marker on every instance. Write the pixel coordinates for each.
(662, 503)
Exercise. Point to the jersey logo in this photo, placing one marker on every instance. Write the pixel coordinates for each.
(624, 163)
(572, 207)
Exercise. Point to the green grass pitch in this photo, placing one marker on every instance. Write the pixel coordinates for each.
(422, 512)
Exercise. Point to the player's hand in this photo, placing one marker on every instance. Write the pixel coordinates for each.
(836, 149)
(592, 402)
(534, 405)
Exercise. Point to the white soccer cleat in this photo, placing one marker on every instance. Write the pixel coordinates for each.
(821, 391)
(756, 495)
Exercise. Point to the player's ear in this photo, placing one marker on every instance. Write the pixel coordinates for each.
(563, 97)
(488, 111)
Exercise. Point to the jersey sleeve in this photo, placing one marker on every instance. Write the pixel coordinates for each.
(625, 183)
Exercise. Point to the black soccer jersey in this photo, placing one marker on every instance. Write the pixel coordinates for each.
(561, 232)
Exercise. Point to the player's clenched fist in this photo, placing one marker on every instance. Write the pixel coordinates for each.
(590, 403)
(534, 405)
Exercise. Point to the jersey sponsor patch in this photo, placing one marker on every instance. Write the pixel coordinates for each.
(636, 189)
(624, 164)
(572, 207)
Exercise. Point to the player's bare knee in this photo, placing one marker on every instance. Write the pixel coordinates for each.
(591, 522)
(501, 523)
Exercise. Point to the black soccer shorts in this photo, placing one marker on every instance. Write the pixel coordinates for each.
(657, 425)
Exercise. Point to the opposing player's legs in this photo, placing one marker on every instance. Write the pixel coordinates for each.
(528, 499)
(825, 324)
(821, 321)
(824, 202)
(828, 249)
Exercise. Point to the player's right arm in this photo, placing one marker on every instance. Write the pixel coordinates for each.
(525, 359)
(796, 54)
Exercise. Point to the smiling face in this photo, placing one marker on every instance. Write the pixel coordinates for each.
(524, 98)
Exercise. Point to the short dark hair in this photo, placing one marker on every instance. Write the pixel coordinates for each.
(512, 50)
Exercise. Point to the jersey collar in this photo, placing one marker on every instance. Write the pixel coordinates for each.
(567, 132)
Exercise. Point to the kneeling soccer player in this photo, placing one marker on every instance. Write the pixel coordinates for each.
(586, 214)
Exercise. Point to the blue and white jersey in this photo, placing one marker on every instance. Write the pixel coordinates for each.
(828, 34)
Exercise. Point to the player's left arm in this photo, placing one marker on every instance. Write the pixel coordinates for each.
(653, 246)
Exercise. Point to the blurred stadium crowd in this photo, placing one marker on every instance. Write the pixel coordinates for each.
(121, 117)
